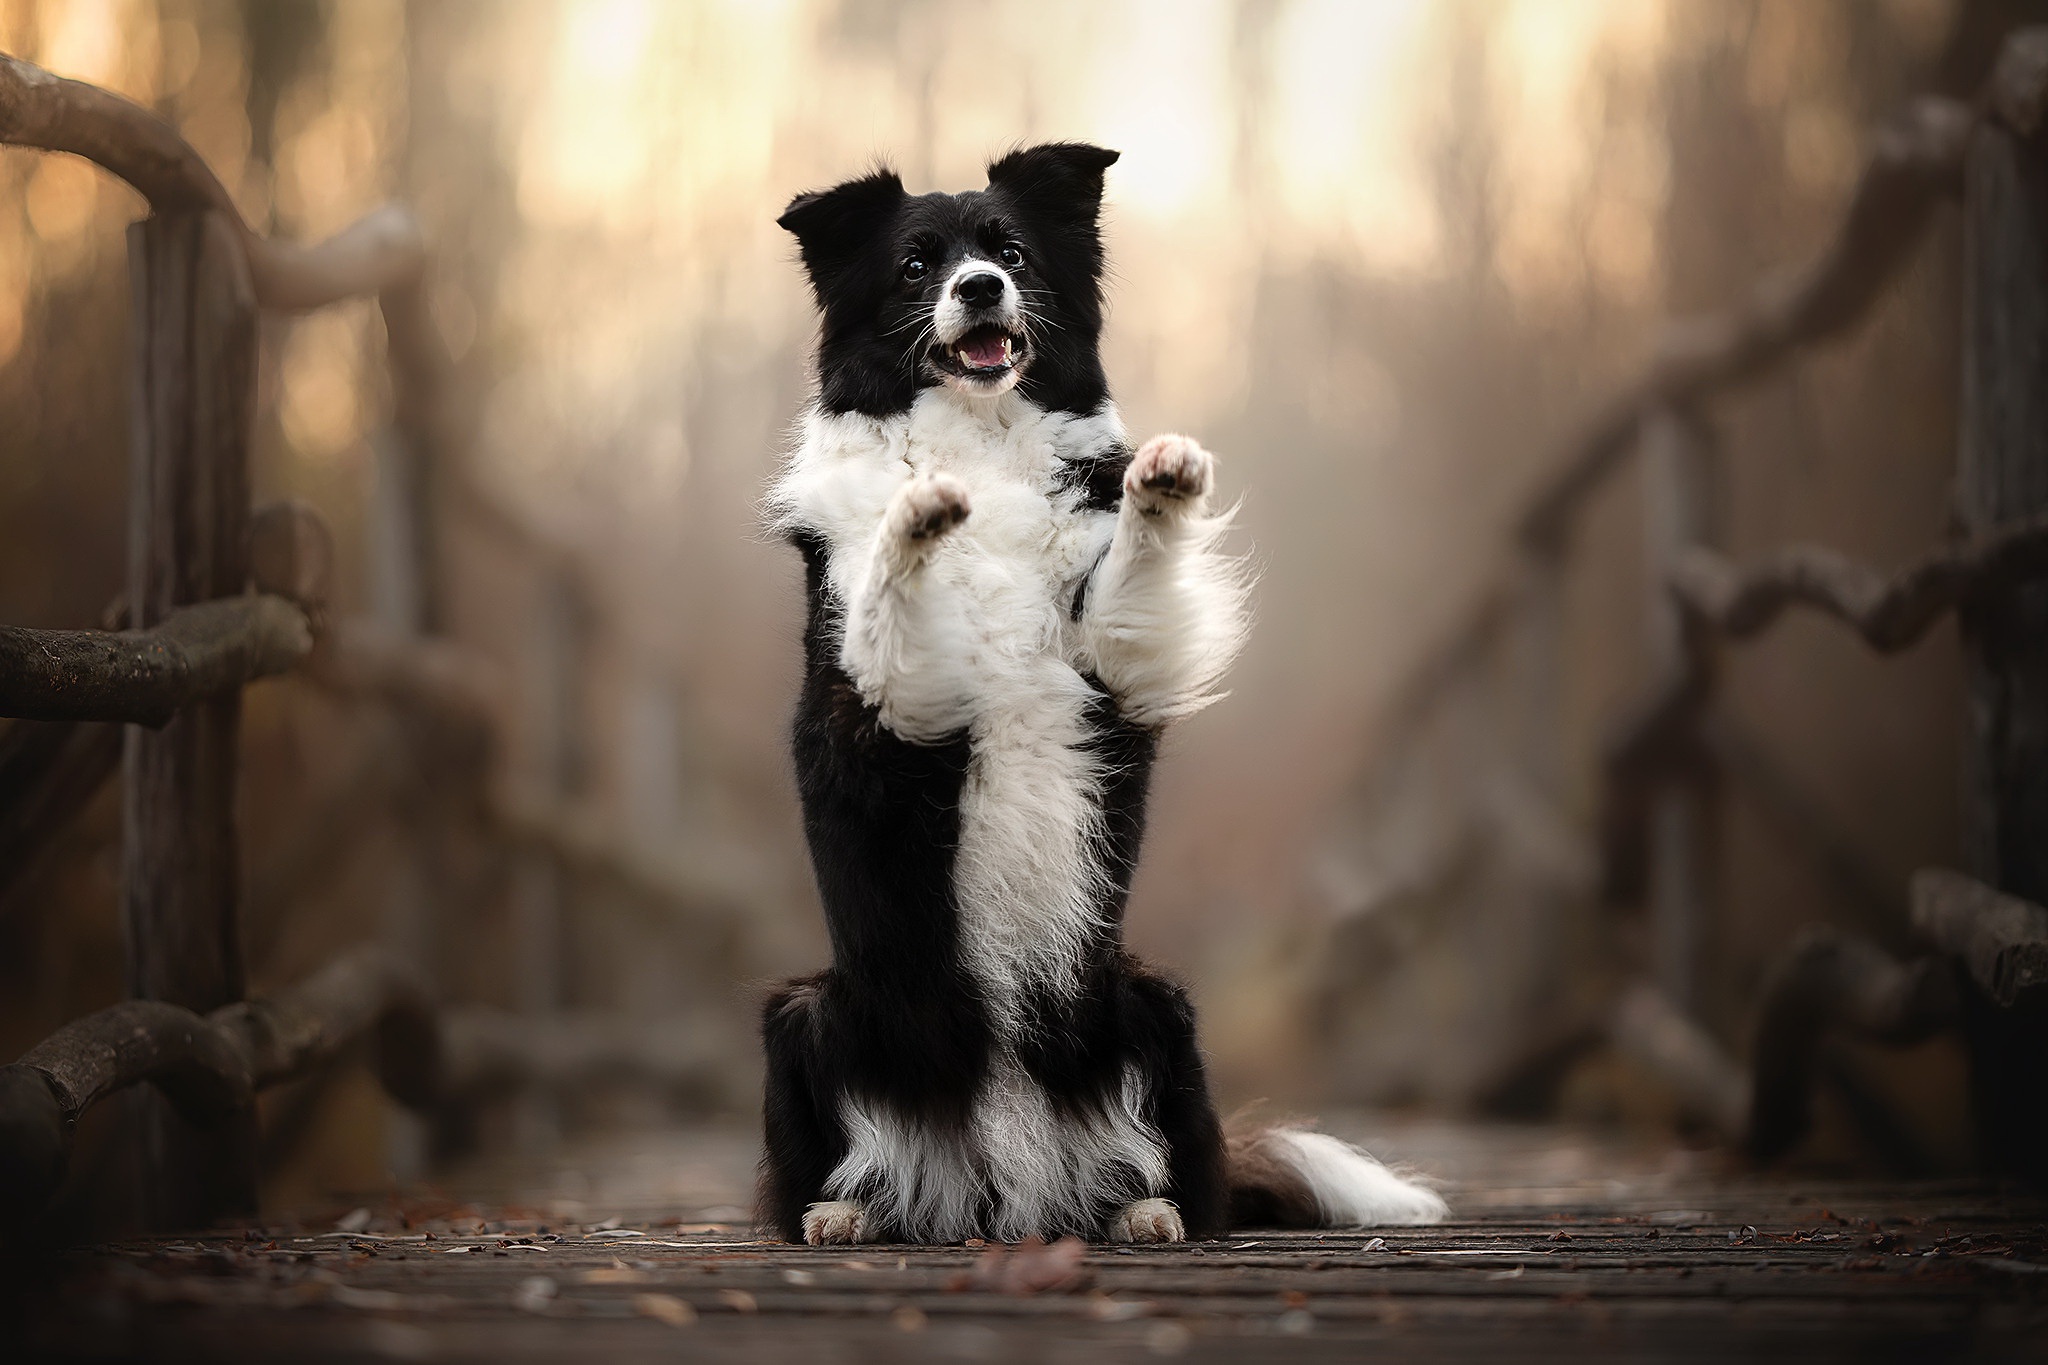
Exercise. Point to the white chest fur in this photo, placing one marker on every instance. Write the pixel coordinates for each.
(999, 590)
(995, 650)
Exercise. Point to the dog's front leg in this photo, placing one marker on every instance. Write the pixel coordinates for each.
(1165, 610)
(907, 643)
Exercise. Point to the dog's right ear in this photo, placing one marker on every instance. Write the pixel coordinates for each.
(834, 226)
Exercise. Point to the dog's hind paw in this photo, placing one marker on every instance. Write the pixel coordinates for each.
(1148, 1220)
(834, 1223)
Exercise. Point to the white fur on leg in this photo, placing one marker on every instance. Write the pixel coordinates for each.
(1032, 1163)
(836, 1222)
(1351, 1188)
(1147, 1220)
(905, 645)
(1165, 612)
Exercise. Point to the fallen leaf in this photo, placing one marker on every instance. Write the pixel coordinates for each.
(664, 1308)
(1105, 1309)
(384, 1301)
(909, 1319)
(1034, 1267)
(1168, 1339)
(536, 1294)
(740, 1301)
(354, 1221)
(612, 1274)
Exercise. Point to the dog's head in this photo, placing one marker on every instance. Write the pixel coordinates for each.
(985, 291)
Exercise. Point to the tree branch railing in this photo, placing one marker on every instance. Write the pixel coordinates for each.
(1656, 775)
(1831, 983)
(2001, 940)
(1889, 614)
(71, 687)
(1915, 162)
(382, 251)
(210, 1066)
(144, 677)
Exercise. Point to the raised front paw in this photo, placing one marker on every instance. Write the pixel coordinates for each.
(927, 507)
(835, 1223)
(1148, 1220)
(1169, 474)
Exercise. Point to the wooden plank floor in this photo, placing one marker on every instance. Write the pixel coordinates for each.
(1564, 1246)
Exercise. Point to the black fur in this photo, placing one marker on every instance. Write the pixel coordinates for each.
(898, 1018)
(855, 237)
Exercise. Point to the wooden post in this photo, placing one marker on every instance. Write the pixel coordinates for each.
(411, 927)
(1536, 703)
(542, 886)
(194, 403)
(2004, 476)
(1677, 513)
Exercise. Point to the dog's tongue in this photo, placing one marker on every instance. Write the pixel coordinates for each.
(983, 352)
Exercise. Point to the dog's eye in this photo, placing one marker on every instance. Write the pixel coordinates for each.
(914, 268)
(1011, 255)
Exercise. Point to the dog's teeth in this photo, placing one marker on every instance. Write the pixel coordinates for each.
(1006, 350)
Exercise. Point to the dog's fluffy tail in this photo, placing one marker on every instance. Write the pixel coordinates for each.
(1290, 1177)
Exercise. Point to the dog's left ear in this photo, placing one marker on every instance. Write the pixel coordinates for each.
(1058, 179)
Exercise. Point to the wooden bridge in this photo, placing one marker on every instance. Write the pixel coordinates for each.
(1564, 1246)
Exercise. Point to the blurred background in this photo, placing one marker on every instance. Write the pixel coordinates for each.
(1384, 256)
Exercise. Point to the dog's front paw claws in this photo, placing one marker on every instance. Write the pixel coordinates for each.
(928, 507)
(1169, 471)
(835, 1223)
(1148, 1220)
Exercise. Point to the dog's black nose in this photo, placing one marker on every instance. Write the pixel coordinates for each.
(982, 290)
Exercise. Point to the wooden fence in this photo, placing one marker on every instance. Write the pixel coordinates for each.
(218, 596)
(1487, 706)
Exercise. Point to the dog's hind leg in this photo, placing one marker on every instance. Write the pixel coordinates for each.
(802, 1137)
(1159, 1025)
(905, 641)
(1164, 614)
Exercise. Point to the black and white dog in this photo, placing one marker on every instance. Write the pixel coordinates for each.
(1005, 604)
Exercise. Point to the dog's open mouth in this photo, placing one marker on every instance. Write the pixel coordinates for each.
(984, 353)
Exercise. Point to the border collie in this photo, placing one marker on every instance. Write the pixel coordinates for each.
(1005, 603)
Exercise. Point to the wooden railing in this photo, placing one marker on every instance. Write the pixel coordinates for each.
(1494, 688)
(217, 598)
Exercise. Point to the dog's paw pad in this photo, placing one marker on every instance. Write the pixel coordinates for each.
(928, 507)
(1169, 470)
(835, 1223)
(1148, 1220)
